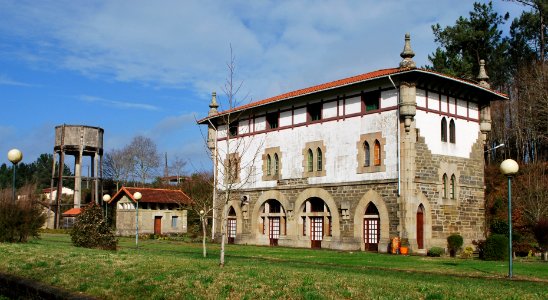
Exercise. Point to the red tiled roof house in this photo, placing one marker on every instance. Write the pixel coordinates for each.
(161, 211)
(354, 162)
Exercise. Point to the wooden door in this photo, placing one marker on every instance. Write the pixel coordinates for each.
(420, 228)
(157, 225)
(274, 230)
(316, 231)
(231, 230)
(371, 234)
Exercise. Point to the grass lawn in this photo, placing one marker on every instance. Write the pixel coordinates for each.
(176, 270)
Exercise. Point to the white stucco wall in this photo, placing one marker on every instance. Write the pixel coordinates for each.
(430, 128)
(340, 138)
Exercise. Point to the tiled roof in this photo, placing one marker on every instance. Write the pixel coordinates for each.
(72, 212)
(150, 195)
(344, 82)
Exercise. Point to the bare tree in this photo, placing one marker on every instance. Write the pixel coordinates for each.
(118, 165)
(199, 187)
(234, 156)
(178, 166)
(145, 157)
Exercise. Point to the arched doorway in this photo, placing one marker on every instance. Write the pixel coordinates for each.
(231, 225)
(420, 227)
(371, 227)
(273, 220)
(316, 220)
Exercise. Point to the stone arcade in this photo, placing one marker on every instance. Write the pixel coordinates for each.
(351, 163)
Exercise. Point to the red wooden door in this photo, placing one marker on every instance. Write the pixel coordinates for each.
(371, 234)
(231, 230)
(157, 225)
(274, 230)
(316, 231)
(420, 229)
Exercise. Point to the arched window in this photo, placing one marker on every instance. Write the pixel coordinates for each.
(452, 131)
(453, 186)
(377, 153)
(444, 185)
(319, 158)
(276, 164)
(268, 165)
(443, 130)
(367, 152)
(310, 161)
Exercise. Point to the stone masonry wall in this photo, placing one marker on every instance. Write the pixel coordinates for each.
(465, 214)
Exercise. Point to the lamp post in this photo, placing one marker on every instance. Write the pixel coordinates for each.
(137, 196)
(509, 167)
(106, 199)
(15, 156)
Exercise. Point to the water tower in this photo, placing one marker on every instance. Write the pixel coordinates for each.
(79, 141)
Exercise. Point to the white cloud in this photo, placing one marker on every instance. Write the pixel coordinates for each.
(5, 80)
(279, 45)
(118, 104)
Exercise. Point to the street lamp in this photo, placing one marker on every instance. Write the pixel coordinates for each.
(137, 196)
(106, 198)
(509, 167)
(15, 156)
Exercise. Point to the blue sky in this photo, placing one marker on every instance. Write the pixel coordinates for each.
(149, 67)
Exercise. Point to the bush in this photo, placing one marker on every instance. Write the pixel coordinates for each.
(91, 231)
(454, 243)
(435, 252)
(480, 247)
(467, 253)
(496, 247)
(20, 220)
(499, 227)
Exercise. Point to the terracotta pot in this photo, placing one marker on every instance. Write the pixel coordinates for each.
(404, 250)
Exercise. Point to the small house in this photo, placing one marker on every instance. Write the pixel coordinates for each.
(159, 211)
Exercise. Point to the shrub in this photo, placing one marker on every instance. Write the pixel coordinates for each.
(19, 220)
(91, 231)
(467, 253)
(480, 247)
(499, 227)
(454, 243)
(496, 247)
(435, 252)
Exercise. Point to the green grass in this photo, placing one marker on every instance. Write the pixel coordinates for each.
(176, 270)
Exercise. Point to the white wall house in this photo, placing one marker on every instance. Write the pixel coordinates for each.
(352, 163)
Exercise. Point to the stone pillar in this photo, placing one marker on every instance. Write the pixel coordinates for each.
(485, 110)
(77, 179)
(408, 103)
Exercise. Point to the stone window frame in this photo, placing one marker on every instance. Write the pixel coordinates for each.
(448, 183)
(371, 139)
(314, 147)
(232, 169)
(271, 174)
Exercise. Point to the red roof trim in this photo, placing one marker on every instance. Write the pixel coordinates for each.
(343, 82)
(72, 212)
(153, 195)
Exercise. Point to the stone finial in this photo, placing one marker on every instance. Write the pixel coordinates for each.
(213, 105)
(482, 76)
(407, 54)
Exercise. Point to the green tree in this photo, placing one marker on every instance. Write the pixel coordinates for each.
(471, 39)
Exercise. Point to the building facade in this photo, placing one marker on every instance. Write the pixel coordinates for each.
(352, 163)
(161, 211)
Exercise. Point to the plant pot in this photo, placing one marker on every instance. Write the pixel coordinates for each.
(404, 250)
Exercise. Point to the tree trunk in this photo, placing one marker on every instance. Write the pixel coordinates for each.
(204, 232)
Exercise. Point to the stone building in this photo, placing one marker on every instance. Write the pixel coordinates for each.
(161, 211)
(352, 163)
